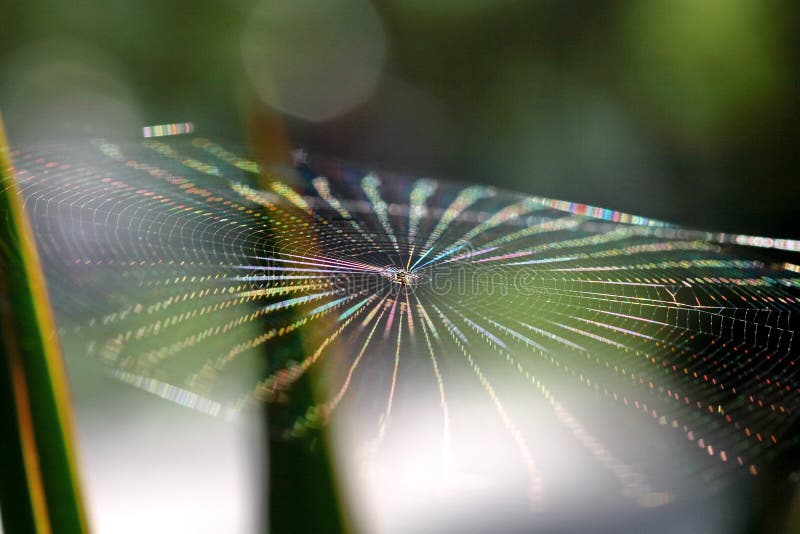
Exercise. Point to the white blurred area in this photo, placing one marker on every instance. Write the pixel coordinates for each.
(470, 474)
(314, 59)
(62, 89)
(148, 465)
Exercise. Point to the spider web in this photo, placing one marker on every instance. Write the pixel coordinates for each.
(656, 359)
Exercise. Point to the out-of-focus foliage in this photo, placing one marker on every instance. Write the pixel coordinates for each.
(659, 108)
(706, 68)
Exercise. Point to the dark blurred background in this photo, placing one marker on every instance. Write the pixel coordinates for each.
(675, 109)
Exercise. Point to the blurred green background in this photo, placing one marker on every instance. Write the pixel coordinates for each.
(675, 109)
